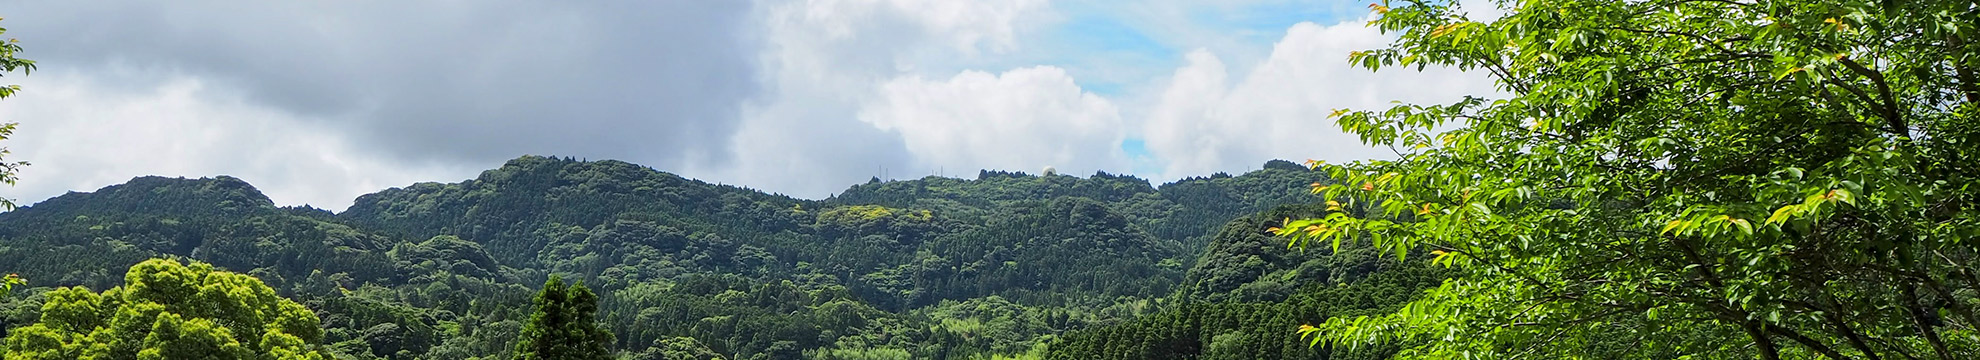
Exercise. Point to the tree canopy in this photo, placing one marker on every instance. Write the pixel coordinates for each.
(166, 310)
(1676, 179)
(9, 62)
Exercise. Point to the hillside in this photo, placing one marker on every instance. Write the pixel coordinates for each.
(924, 268)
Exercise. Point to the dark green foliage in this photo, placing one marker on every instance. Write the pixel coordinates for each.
(506, 209)
(1248, 294)
(927, 268)
(676, 348)
(1187, 210)
(380, 296)
(1202, 204)
(1063, 246)
(1246, 263)
(1252, 330)
(564, 326)
(58, 241)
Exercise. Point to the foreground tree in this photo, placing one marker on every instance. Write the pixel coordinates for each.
(565, 326)
(9, 63)
(1679, 178)
(170, 311)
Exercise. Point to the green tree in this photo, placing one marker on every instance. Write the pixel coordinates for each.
(564, 326)
(9, 63)
(166, 310)
(7, 284)
(1666, 179)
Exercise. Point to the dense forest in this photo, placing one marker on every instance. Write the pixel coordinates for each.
(1006, 264)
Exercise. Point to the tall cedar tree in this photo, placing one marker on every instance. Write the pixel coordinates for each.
(564, 326)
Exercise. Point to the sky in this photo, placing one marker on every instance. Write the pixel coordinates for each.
(318, 102)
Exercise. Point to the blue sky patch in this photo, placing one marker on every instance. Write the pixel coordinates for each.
(1142, 161)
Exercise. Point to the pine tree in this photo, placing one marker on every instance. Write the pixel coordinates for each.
(564, 326)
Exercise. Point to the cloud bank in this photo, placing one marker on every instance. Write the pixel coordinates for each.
(1208, 121)
(317, 103)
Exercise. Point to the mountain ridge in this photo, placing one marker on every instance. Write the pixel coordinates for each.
(404, 271)
(982, 175)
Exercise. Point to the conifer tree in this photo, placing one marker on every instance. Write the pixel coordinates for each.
(564, 326)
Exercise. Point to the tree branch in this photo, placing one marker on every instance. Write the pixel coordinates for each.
(1892, 116)
(1917, 311)
(1805, 341)
(1766, 345)
(1968, 85)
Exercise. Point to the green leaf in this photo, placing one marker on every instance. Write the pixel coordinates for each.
(1782, 214)
(1843, 195)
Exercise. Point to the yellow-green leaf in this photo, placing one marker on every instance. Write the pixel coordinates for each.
(1843, 195)
(1782, 214)
(1744, 226)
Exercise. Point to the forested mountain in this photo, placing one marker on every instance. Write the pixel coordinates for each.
(1247, 293)
(1007, 263)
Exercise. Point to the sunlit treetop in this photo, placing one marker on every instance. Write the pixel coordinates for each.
(166, 310)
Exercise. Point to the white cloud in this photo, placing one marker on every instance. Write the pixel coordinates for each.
(965, 25)
(1022, 119)
(823, 60)
(1204, 122)
(82, 133)
(1481, 10)
(796, 96)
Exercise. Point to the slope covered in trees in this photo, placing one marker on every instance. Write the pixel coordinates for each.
(926, 268)
(1248, 294)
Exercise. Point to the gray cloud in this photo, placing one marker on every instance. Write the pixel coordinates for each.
(320, 102)
(660, 83)
(822, 61)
